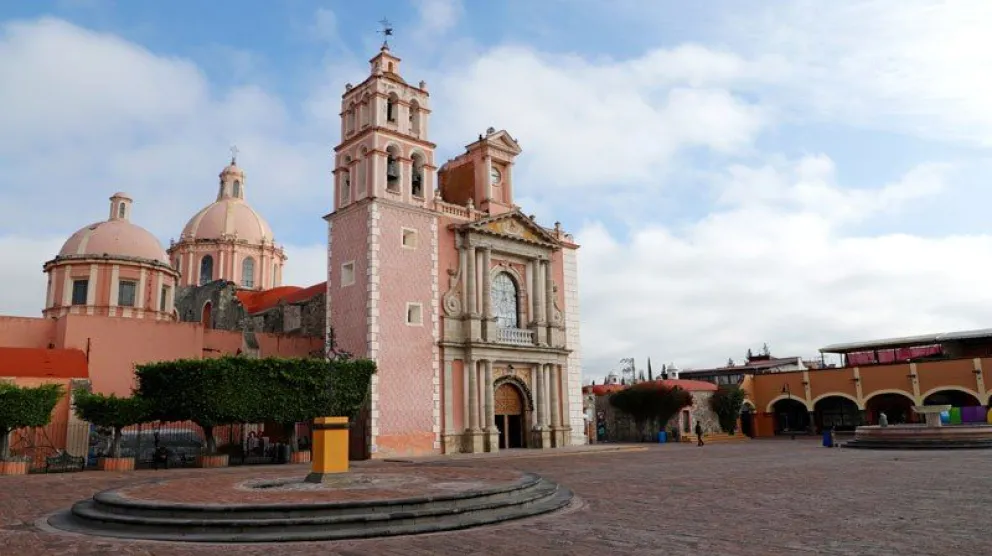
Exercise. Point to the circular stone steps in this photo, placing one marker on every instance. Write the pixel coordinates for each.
(113, 514)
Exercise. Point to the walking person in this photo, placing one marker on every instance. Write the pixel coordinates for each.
(699, 433)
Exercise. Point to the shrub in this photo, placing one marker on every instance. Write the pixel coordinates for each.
(726, 403)
(111, 412)
(25, 407)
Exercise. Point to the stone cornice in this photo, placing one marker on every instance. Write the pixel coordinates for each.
(64, 260)
(349, 142)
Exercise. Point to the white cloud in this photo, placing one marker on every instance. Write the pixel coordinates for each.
(912, 65)
(23, 293)
(436, 17)
(598, 124)
(787, 274)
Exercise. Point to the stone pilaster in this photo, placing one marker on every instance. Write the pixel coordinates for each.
(488, 330)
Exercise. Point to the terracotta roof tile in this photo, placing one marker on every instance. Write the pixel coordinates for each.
(43, 363)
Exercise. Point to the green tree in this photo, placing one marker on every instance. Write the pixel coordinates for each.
(650, 402)
(212, 392)
(209, 392)
(111, 412)
(25, 407)
(726, 402)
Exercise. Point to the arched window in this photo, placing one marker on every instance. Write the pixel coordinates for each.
(392, 168)
(121, 210)
(346, 181)
(248, 272)
(351, 117)
(237, 188)
(417, 176)
(206, 269)
(505, 301)
(414, 117)
(391, 107)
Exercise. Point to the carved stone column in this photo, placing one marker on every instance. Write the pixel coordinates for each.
(538, 397)
(492, 433)
(474, 330)
(541, 434)
(489, 334)
(557, 430)
(540, 319)
(471, 367)
(470, 280)
(473, 436)
(549, 301)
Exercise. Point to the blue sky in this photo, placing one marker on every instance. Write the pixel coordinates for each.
(792, 172)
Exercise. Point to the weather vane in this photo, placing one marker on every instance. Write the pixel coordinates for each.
(234, 154)
(386, 32)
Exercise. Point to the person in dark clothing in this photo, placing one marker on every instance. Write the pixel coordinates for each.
(699, 433)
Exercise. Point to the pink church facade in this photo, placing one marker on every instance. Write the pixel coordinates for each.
(469, 307)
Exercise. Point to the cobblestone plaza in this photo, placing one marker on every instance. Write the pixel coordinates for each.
(761, 497)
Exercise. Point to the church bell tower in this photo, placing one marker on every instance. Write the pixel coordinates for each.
(382, 287)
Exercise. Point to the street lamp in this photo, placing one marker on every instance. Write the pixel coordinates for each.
(788, 392)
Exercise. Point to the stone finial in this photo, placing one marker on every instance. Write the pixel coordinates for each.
(558, 228)
(470, 204)
(423, 85)
(490, 130)
(348, 86)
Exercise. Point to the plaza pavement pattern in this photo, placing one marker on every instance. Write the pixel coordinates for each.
(757, 498)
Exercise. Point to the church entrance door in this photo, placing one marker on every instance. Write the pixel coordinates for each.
(509, 416)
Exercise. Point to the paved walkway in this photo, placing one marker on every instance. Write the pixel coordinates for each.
(758, 498)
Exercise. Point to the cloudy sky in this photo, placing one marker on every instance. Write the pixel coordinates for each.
(796, 172)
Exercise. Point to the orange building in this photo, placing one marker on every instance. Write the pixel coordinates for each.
(889, 376)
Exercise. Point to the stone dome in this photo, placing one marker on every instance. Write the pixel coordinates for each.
(116, 237)
(229, 217)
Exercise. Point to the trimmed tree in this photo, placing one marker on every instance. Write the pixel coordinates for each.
(111, 412)
(726, 402)
(209, 392)
(300, 390)
(25, 407)
(212, 392)
(650, 403)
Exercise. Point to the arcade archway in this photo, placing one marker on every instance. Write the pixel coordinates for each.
(838, 412)
(898, 408)
(955, 398)
(791, 416)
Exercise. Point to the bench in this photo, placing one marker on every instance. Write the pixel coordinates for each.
(162, 456)
(64, 462)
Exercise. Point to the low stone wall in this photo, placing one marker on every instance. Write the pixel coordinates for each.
(620, 427)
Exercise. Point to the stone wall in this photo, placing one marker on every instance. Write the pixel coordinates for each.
(305, 318)
(226, 313)
(621, 428)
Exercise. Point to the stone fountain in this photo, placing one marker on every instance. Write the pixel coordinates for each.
(931, 435)
(330, 503)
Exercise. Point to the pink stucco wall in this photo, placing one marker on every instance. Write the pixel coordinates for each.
(27, 332)
(348, 303)
(558, 273)
(406, 356)
(115, 345)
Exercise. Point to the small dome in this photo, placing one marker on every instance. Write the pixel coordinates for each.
(228, 217)
(115, 238)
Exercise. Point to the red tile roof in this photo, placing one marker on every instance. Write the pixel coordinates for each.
(257, 301)
(688, 385)
(43, 363)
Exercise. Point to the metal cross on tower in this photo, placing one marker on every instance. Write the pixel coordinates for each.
(386, 31)
(234, 154)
